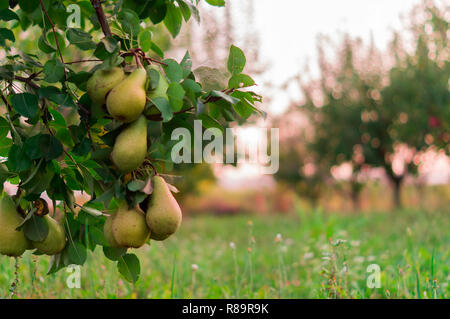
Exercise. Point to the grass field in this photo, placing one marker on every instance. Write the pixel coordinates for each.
(309, 255)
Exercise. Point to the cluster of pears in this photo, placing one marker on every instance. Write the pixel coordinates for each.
(125, 99)
(131, 227)
(13, 241)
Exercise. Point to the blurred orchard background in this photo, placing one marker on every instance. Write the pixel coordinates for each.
(360, 93)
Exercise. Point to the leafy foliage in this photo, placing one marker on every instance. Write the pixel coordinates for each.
(55, 140)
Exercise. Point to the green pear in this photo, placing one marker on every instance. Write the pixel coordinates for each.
(129, 228)
(163, 212)
(107, 230)
(126, 101)
(103, 81)
(56, 238)
(130, 147)
(12, 242)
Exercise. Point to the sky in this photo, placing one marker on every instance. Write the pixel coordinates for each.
(288, 31)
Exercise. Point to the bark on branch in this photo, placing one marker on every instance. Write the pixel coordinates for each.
(97, 5)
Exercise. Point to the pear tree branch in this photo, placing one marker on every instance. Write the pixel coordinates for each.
(54, 34)
(97, 5)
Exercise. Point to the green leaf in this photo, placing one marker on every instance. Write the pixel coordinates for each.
(26, 104)
(33, 148)
(186, 64)
(236, 60)
(163, 106)
(97, 236)
(217, 3)
(43, 145)
(59, 121)
(36, 229)
(57, 96)
(129, 267)
(211, 78)
(106, 47)
(173, 19)
(209, 122)
(80, 38)
(240, 81)
(226, 97)
(5, 146)
(136, 185)
(4, 127)
(173, 70)
(59, 37)
(4, 4)
(157, 50)
(6, 34)
(8, 15)
(77, 253)
(185, 10)
(156, 10)
(189, 84)
(145, 40)
(54, 71)
(112, 61)
(91, 211)
(192, 8)
(114, 254)
(28, 5)
(176, 95)
(44, 45)
(153, 75)
(129, 21)
(243, 109)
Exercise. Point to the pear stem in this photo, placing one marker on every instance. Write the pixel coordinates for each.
(138, 61)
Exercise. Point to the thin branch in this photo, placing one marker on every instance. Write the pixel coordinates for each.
(54, 34)
(6, 102)
(64, 151)
(82, 61)
(97, 5)
(27, 81)
(158, 117)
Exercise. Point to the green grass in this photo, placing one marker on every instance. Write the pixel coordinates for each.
(317, 256)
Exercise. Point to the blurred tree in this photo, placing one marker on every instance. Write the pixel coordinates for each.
(368, 117)
(417, 99)
(338, 106)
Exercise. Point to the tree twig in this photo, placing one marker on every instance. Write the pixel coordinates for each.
(82, 61)
(97, 5)
(27, 81)
(6, 102)
(54, 34)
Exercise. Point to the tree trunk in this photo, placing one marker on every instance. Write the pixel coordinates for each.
(397, 180)
(355, 193)
(355, 200)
